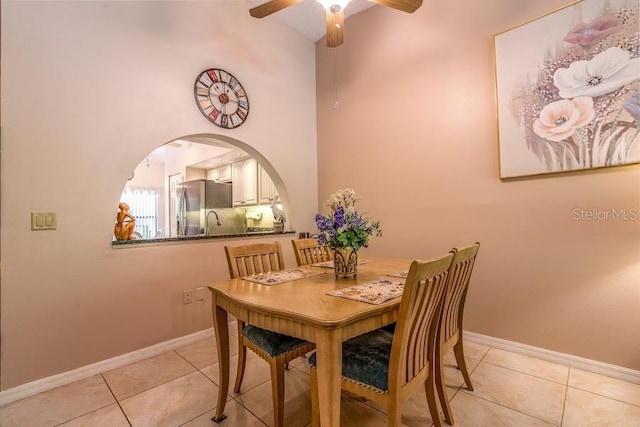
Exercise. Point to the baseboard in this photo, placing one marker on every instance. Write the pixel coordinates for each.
(613, 371)
(48, 383)
(44, 384)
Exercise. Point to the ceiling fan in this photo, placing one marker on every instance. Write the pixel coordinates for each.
(335, 13)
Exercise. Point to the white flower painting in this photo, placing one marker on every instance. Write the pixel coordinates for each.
(607, 72)
(575, 104)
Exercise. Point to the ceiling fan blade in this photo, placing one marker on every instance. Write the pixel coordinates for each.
(335, 26)
(270, 7)
(408, 6)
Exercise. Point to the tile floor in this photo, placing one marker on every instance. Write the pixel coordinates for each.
(179, 388)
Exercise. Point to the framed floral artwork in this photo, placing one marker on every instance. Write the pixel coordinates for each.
(568, 90)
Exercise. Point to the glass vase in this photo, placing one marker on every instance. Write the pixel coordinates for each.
(345, 262)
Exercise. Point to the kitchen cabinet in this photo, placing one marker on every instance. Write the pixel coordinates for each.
(252, 185)
(245, 182)
(266, 187)
(194, 173)
(220, 174)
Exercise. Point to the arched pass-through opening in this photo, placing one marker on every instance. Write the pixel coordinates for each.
(160, 192)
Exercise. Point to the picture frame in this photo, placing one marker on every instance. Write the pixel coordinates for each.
(568, 90)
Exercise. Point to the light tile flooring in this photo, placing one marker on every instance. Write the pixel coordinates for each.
(179, 388)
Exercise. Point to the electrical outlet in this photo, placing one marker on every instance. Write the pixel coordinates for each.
(200, 293)
(187, 296)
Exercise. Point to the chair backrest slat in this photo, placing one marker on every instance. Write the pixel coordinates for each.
(416, 352)
(415, 335)
(309, 251)
(254, 258)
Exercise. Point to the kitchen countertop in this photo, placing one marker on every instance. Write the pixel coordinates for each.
(200, 237)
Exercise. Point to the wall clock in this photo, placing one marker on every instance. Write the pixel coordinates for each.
(221, 98)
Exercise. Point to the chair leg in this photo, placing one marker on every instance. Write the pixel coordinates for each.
(458, 350)
(394, 412)
(242, 358)
(315, 412)
(277, 390)
(430, 391)
(442, 390)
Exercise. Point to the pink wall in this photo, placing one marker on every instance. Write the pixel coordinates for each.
(114, 82)
(416, 137)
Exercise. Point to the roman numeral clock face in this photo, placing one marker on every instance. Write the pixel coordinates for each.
(221, 98)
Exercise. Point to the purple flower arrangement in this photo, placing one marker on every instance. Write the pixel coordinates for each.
(345, 226)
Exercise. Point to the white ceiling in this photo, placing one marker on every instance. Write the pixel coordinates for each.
(210, 156)
(308, 17)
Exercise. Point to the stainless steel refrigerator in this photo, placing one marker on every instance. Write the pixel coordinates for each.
(197, 199)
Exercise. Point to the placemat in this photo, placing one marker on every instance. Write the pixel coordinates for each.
(374, 292)
(402, 274)
(329, 264)
(282, 276)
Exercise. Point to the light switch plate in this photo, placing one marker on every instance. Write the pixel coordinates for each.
(44, 221)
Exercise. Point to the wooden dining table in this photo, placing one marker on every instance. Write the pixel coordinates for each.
(303, 309)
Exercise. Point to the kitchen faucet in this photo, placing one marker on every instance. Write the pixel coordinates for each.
(218, 222)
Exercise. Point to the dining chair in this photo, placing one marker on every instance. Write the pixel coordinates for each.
(450, 331)
(387, 368)
(309, 251)
(277, 349)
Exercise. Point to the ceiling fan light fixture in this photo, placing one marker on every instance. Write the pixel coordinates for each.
(329, 4)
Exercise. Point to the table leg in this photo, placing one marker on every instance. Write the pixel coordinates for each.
(220, 326)
(329, 365)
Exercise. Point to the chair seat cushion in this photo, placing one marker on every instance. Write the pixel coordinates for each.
(365, 358)
(391, 327)
(273, 343)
